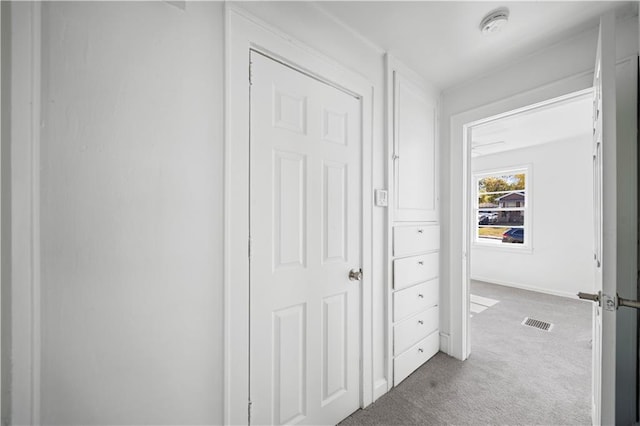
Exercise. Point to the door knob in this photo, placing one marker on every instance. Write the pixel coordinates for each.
(355, 274)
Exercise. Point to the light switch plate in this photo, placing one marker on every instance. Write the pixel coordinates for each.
(382, 199)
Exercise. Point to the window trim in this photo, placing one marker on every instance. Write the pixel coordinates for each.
(527, 246)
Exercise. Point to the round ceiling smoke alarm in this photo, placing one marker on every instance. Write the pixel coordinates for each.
(495, 21)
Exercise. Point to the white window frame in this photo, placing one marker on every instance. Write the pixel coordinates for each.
(527, 246)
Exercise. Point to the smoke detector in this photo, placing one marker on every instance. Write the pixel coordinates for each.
(494, 21)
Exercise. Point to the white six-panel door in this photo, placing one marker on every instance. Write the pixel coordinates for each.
(305, 227)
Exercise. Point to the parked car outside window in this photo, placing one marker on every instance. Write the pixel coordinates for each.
(513, 235)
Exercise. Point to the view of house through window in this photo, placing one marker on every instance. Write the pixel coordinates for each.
(501, 207)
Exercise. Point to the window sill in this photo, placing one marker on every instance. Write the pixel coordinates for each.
(499, 246)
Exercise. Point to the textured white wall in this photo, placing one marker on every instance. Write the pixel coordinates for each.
(131, 206)
(561, 214)
(131, 213)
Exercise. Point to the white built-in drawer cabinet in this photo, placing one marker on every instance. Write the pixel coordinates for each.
(414, 233)
(416, 336)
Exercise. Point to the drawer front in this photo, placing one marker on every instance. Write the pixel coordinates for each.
(414, 299)
(414, 269)
(414, 357)
(415, 328)
(415, 239)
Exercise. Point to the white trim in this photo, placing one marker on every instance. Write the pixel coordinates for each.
(388, 255)
(445, 343)
(460, 127)
(36, 105)
(226, 247)
(3, 415)
(527, 287)
(245, 32)
(380, 387)
(25, 212)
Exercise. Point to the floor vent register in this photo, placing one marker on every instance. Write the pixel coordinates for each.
(542, 325)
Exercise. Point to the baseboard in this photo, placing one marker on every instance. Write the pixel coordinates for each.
(379, 388)
(527, 287)
(444, 343)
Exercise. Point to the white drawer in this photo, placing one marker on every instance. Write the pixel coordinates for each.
(412, 329)
(414, 299)
(415, 239)
(414, 357)
(414, 269)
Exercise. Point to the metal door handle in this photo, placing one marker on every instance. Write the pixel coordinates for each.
(420, 231)
(420, 322)
(420, 263)
(628, 303)
(420, 350)
(355, 274)
(590, 296)
(421, 296)
(611, 303)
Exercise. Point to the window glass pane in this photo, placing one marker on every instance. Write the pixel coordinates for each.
(510, 218)
(502, 182)
(491, 233)
(501, 218)
(488, 201)
(500, 235)
(511, 200)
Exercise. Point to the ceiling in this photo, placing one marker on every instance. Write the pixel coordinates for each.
(559, 121)
(449, 31)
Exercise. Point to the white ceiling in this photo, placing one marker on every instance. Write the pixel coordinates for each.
(559, 121)
(435, 37)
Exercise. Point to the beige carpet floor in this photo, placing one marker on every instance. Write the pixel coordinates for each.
(516, 375)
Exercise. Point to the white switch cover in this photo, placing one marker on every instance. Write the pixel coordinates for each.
(381, 198)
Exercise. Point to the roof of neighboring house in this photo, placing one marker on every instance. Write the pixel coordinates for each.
(514, 196)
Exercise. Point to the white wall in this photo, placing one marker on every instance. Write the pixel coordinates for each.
(562, 68)
(561, 216)
(131, 213)
(129, 328)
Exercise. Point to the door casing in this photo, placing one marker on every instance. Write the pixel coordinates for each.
(459, 246)
(244, 33)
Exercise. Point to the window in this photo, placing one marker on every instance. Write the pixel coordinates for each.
(502, 208)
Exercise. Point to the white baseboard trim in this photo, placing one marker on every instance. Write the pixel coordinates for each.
(444, 343)
(527, 287)
(379, 388)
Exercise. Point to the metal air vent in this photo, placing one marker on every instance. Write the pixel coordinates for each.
(542, 325)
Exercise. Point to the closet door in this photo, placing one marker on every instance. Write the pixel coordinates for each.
(415, 174)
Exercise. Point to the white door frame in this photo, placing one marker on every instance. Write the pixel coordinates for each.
(21, 213)
(244, 33)
(468, 174)
(460, 175)
(459, 261)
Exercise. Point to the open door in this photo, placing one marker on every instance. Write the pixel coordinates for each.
(604, 197)
(615, 173)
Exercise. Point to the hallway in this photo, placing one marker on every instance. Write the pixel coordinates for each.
(515, 374)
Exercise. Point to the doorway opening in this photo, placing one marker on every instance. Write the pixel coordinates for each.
(531, 235)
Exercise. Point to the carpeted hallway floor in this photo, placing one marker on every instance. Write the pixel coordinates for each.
(515, 375)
